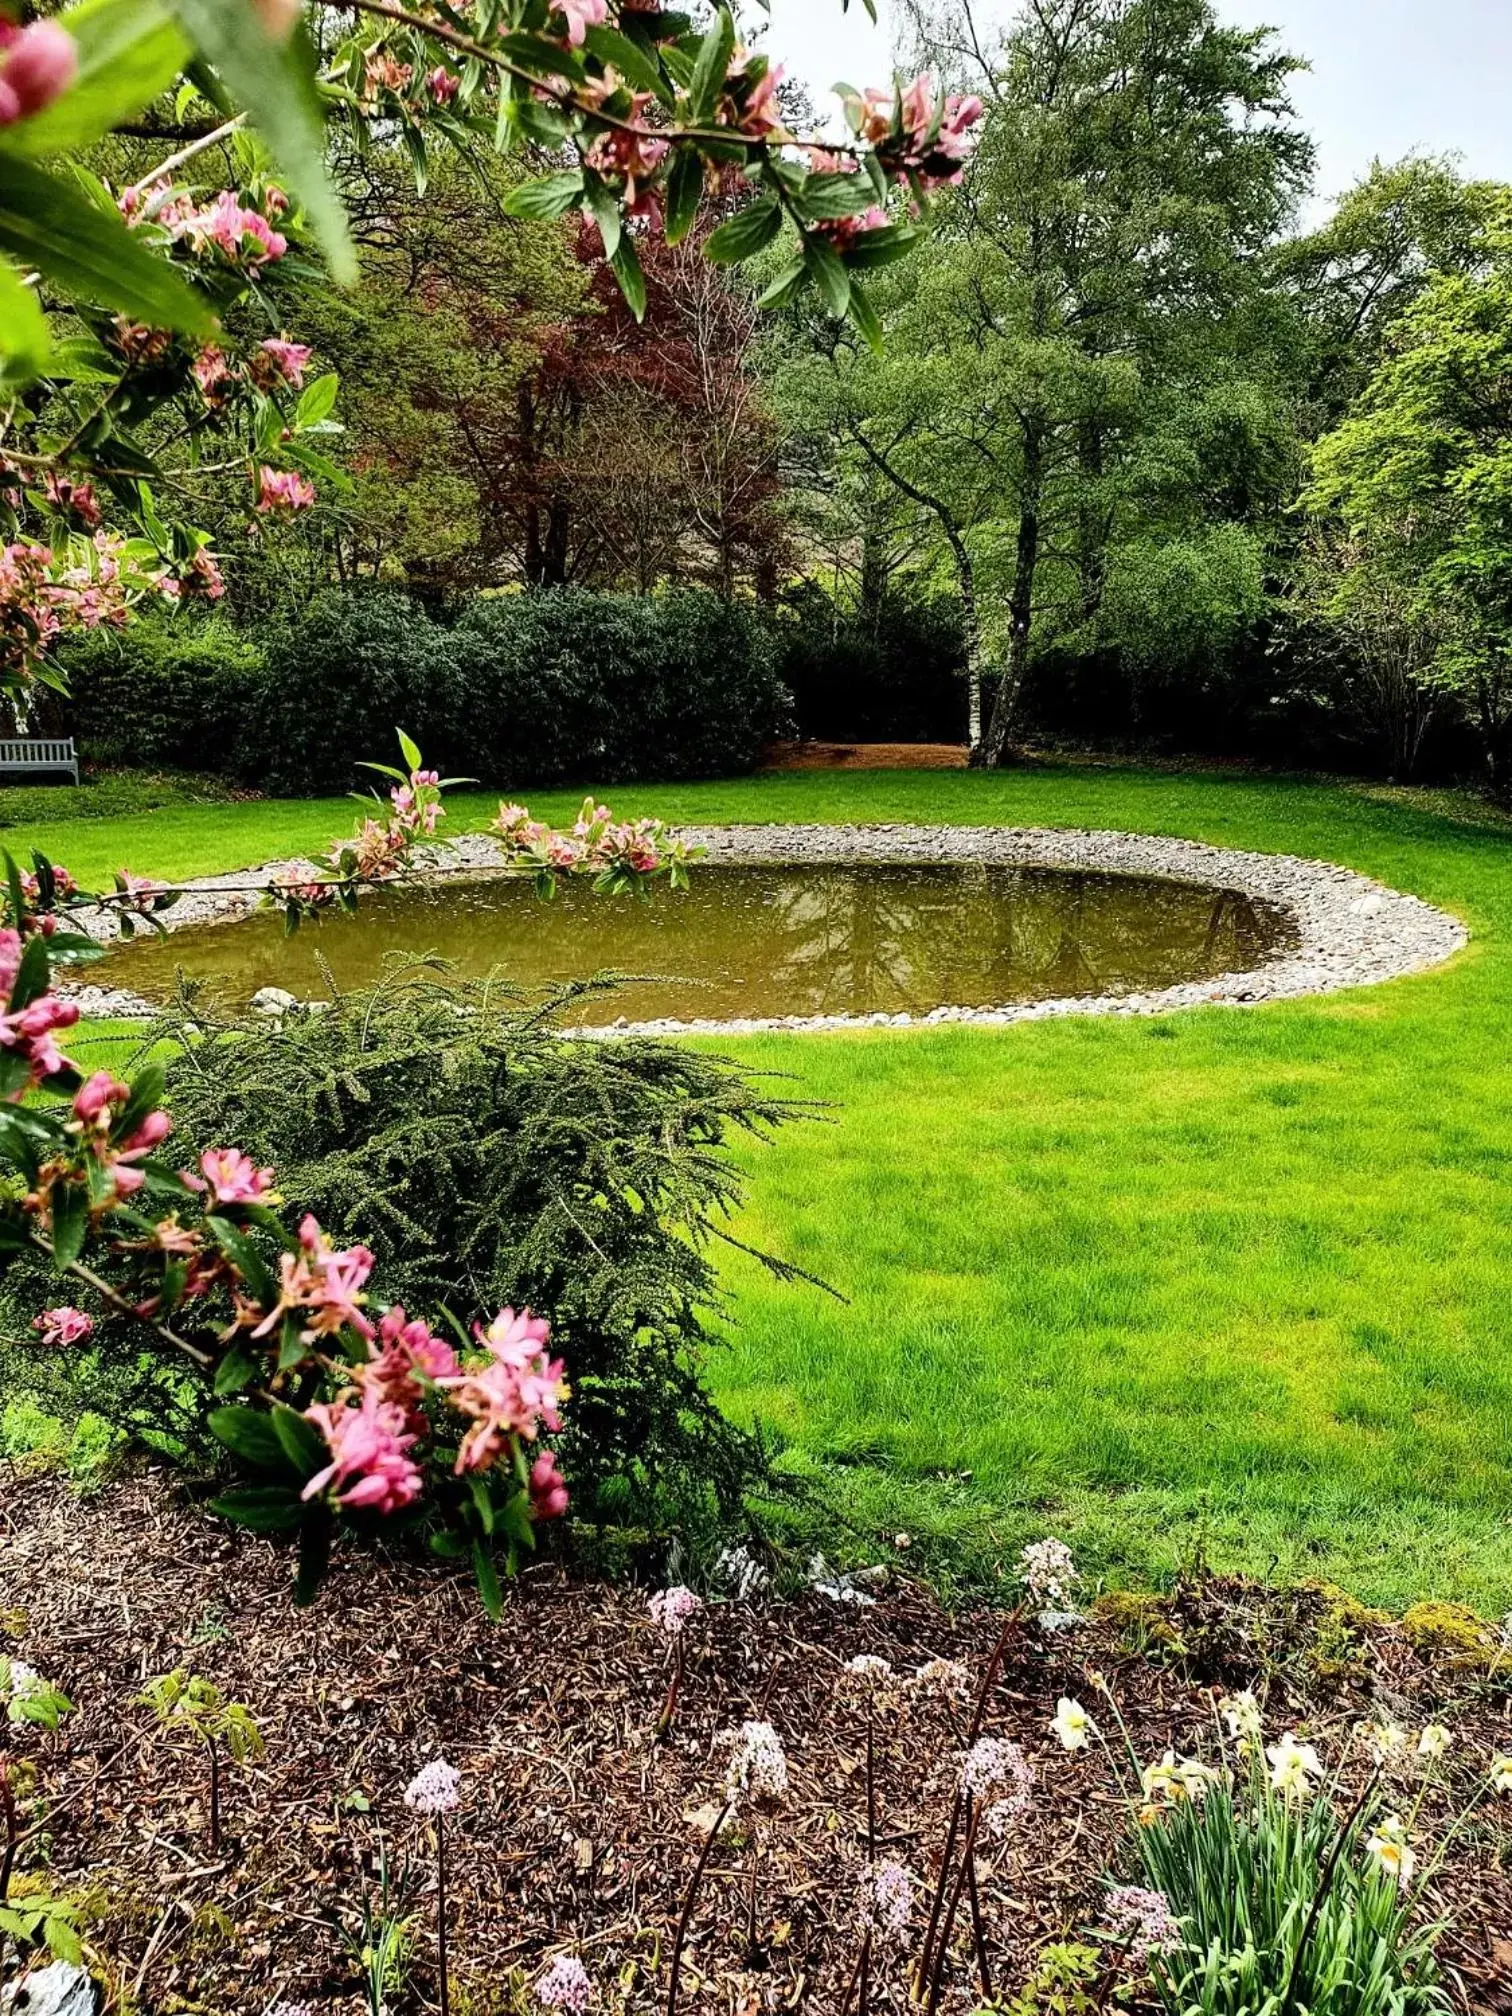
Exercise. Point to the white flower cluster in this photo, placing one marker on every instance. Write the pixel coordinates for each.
(1049, 1571)
(433, 1790)
(997, 1775)
(887, 1902)
(758, 1763)
(1142, 1920)
(565, 1985)
(674, 1609)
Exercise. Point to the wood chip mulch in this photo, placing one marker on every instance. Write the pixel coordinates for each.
(578, 1830)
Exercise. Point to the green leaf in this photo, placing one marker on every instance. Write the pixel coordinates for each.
(70, 1227)
(684, 194)
(146, 1097)
(482, 1498)
(487, 1578)
(714, 55)
(249, 1434)
(409, 749)
(634, 64)
(301, 1441)
(235, 1372)
(25, 346)
(551, 196)
(275, 84)
(265, 1508)
(130, 51)
(88, 253)
(606, 214)
(829, 274)
(865, 317)
(744, 235)
(881, 248)
(831, 196)
(632, 281)
(244, 1257)
(317, 400)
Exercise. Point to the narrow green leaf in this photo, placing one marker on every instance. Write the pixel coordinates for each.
(264, 1508)
(865, 317)
(249, 1434)
(632, 281)
(130, 51)
(275, 84)
(684, 194)
(25, 346)
(606, 214)
(487, 1577)
(89, 254)
(745, 234)
(829, 274)
(235, 1372)
(550, 196)
(634, 64)
(70, 1216)
(301, 1442)
(709, 71)
(317, 400)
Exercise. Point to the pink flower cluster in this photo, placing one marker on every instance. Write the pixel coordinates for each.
(371, 1469)
(565, 1985)
(674, 1609)
(283, 490)
(512, 1394)
(417, 805)
(843, 232)
(216, 376)
(37, 64)
(595, 843)
(320, 1285)
(230, 1177)
(63, 1326)
(917, 134)
(277, 362)
(31, 1032)
(243, 237)
(631, 157)
(748, 104)
(74, 500)
(40, 595)
(97, 1107)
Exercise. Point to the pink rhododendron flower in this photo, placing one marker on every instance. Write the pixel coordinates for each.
(580, 16)
(323, 1285)
(283, 490)
(917, 134)
(37, 64)
(232, 1178)
(843, 231)
(243, 237)
(749, 104)
(384, 72)
(96, 1099)
(406, 1357)
(76, 500)
(549, 1497)
(63, 1326)
(370, 1467)
(515, 1393)
(442, 84)
(97, 1106)
(277, 362)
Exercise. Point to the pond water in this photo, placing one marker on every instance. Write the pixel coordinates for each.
(757, 941)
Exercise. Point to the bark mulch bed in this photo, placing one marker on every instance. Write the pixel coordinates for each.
(578, 1830)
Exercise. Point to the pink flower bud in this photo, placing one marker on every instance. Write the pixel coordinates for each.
(39, 65)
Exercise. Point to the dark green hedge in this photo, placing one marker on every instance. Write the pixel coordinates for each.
(521, 690)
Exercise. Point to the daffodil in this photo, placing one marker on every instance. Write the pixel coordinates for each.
(1390, 1851)
(1384, 1740)
(1072, 1726)
(1501, 1774)
(1242, 1714)
(1294, 1766)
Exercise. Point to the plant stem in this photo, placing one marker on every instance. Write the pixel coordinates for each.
(978, 1934)
(441, 1961)
(215, 1817)
(942, 1951)
(674, 1688)
(688, 1902)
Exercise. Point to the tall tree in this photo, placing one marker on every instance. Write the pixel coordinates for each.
(1067, 374)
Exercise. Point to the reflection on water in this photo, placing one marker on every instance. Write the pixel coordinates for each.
(749, 941)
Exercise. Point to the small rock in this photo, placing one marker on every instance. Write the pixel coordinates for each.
(58, 1990)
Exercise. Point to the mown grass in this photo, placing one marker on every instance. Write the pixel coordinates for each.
(1233, 1284)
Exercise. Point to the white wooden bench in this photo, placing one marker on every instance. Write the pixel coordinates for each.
(28, 755)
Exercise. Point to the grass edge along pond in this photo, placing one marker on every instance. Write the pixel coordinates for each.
(1233, 1285)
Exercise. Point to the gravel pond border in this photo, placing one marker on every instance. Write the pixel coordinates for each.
(1349, 930)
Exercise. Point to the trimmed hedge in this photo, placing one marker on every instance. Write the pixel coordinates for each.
(522, 690)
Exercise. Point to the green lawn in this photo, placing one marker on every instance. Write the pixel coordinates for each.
(1233, 1284)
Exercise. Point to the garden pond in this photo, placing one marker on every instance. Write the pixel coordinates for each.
(755, 941)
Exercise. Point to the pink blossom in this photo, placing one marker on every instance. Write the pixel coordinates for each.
(37, 65)
(31, 1034)
(918, 135)
(750, 101)
(321, 1284)
(580, 16)
(63, 1326)
(95, 1099)
(634, 156)
(442, 84)
(231, 1177)
(97, 1106)
(843, 231)
(515, 1393)
(283, 490)
(565, 1985)
(76, 500)
(216, 378)
(407, 1356)
(277, 362)
(434, 1790)
(384, 72)
(243, 237)
(549, 1496)
(674, 1608)
(370, 1467)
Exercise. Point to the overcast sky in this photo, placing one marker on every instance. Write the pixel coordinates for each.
(1387, 76)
